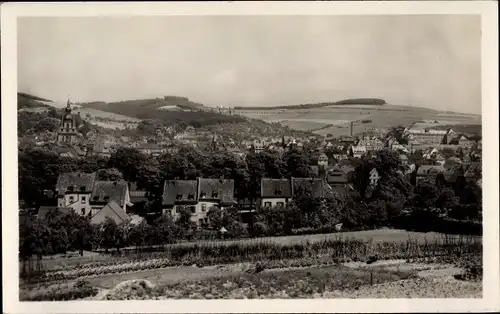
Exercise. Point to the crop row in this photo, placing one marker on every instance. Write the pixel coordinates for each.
(202, 255)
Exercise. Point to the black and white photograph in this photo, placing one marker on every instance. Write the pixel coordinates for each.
(250, 156)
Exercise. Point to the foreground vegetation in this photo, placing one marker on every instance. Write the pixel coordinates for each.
(269, 255)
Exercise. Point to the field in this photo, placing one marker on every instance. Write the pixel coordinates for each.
(330, 265)
(380, 117)
(107, 119)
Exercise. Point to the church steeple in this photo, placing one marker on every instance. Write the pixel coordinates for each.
(68, 106)
(67, 131)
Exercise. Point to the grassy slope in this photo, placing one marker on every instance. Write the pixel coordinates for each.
(148, 109)
(29, 101)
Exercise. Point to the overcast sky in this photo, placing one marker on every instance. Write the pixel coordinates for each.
(428, 61)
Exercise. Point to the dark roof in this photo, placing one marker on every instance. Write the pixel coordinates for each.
(218, 189)
(179, 190)
(318, 187)
(79, 181)
(44, 210)
(275, 188)
(336, 177)
(106, 191)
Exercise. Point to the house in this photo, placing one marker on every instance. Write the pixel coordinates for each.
(463, 141)
(111, 210)
(104, 192)
(340, 157)
(101, 148)
(316, 188)
(350, 140)
(181, 195)
(216, 192)
(74, 190)
(358, 151)
(137, 195)
(374, 177)
(427, 136)
(337, 179)
(151, 149)
(275, 192)
(257, 146)
(197, 196)
(247, 205)
(371, 143)
(449, 136)
(429, 172)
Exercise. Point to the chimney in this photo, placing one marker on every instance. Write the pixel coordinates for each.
(350, 131)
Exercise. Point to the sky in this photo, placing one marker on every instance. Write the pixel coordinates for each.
(431, 61)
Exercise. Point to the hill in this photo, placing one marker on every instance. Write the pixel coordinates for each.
(150, 109)
(334, 120)
(30, 101)
(345, 102)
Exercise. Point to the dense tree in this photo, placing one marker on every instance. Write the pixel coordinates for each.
(109, 174)
(297, 164)
(127, 161)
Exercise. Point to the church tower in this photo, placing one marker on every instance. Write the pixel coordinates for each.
(67, 133)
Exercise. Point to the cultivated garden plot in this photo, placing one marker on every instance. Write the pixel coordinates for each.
(349, 263)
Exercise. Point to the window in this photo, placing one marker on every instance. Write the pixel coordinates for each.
(193, 209)
(267, 204)
(215, 194)
(84, 200)
(71, 188)
(106, 198)
(277, 192)
(203, 194)
(96, 198)
(82, 188)
(280, 204)
(71, 199)
(83, 211)
(191, 196)
(203, 207)
(179, 196)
